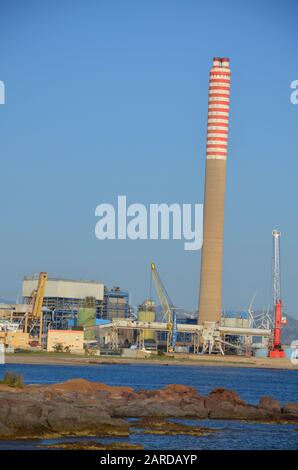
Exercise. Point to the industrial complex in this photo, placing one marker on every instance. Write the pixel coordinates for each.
(86, 317)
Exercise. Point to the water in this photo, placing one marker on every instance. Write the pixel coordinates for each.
(250, 383)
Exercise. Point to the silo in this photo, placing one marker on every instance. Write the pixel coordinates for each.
(146, 313)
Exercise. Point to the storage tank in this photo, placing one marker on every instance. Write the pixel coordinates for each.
(146, 313)
(260, 352)
(290, 352)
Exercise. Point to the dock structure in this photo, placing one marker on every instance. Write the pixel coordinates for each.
(211, 337)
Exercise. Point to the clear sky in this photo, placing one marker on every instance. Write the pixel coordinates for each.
(105, 98)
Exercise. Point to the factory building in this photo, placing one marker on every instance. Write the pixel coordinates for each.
(64, 297)
(10, 311)
(116, 304)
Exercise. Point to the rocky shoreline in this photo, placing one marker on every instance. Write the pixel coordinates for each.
(82, 408)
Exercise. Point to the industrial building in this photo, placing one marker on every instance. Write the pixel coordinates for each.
(77, 313)
(65, 340)
(212, 332)
(57, 304)
(115, 304)
(64, 297)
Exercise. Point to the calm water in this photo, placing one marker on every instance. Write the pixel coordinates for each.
(251, 384)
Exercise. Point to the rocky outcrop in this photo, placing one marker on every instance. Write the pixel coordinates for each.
(269, 404)
(36, 412)
(78, 408)
(291, 409)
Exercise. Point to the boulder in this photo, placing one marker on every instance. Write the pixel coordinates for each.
(180, 390)
(269, 404)
(26, 418)
(224, 395)
(291, 409)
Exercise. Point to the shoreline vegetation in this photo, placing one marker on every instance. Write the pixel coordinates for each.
(41, 357)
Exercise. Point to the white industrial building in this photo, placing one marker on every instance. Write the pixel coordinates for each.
(64, 288)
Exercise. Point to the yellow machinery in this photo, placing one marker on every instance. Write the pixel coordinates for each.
(167, 308)
(39, 295)
(37, 301)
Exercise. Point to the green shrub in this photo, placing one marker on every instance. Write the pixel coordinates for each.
(160, 353)
(13, 380)
(58, 347)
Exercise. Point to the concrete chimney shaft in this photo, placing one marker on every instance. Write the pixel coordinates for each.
(210, 303)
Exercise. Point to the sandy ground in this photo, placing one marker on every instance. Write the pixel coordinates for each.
(228, 361)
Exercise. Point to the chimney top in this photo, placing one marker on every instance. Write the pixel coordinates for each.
(221, 62)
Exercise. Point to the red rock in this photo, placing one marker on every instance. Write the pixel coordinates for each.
(84, 386)
(222, 394)
(90, 406)
(291, 409)
(180, 389)
(269, 404)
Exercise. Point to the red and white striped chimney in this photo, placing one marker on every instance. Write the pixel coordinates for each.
(218, 109)
(215, 185)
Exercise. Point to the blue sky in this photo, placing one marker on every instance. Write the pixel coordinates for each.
(105, 98)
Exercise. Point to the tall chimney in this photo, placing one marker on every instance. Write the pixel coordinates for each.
(215, 185)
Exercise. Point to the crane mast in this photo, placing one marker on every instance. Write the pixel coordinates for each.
(167, 308)
(276, 349)
(276, 266)
(39, 295)
(38, 301)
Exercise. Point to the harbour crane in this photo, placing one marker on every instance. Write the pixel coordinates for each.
(168, 309)
(276, 349)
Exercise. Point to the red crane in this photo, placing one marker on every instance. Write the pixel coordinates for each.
(276, 350)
